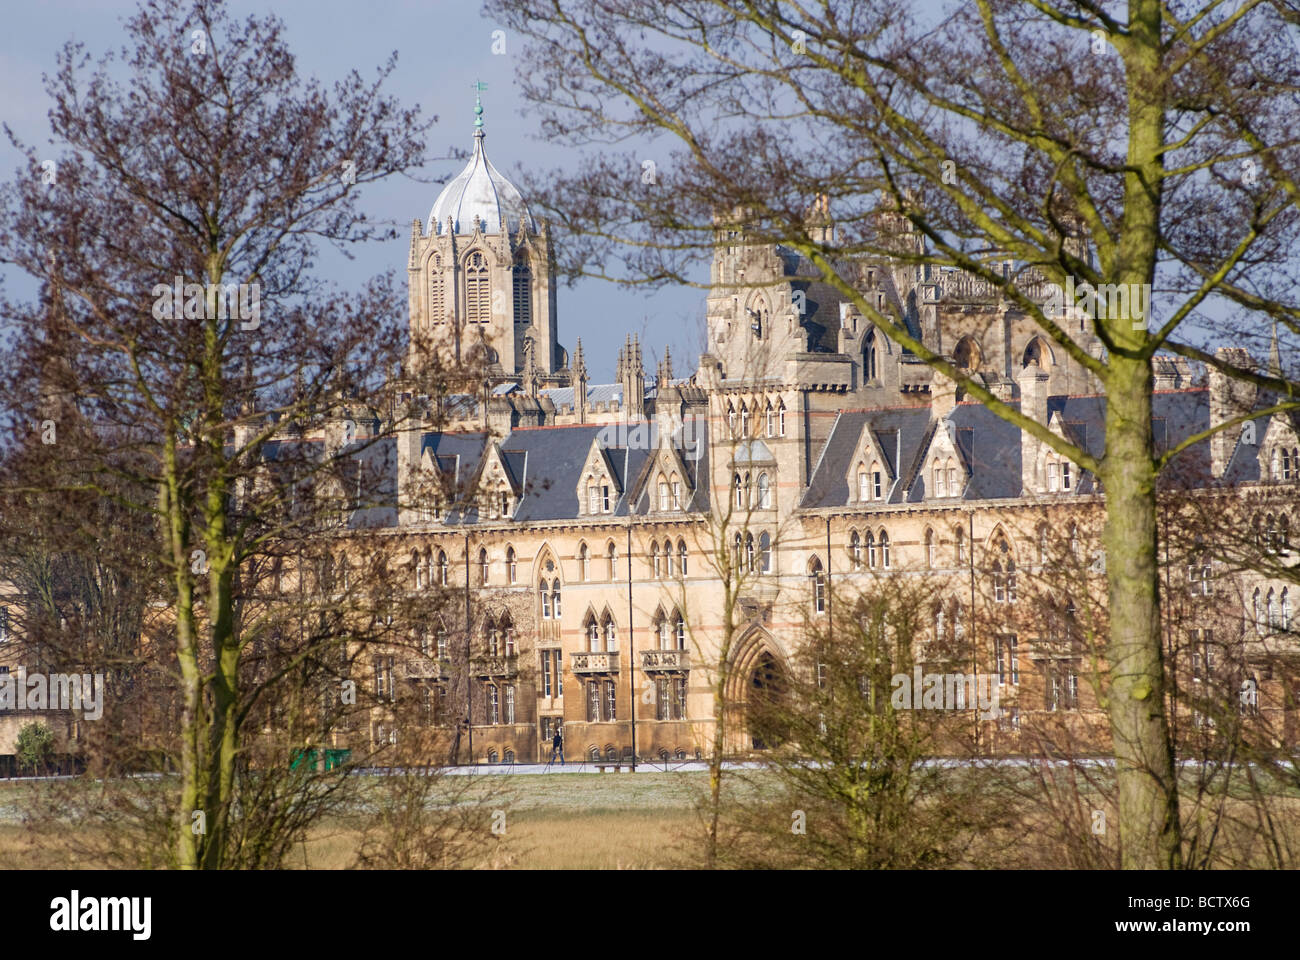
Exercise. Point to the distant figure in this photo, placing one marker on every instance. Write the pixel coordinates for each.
(557, 747)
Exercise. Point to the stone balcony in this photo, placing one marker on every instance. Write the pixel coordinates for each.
(423, 668)
(495, 666)
(652, 660)
(593, 662)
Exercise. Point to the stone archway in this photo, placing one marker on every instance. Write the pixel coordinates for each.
(755, 683)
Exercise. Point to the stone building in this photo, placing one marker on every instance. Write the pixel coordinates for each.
(590, 524)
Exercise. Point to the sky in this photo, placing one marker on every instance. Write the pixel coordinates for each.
(443, 48)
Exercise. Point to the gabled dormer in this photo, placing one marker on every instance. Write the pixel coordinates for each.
(668, 486)
(872, 473)
(1279, 450)
(1052, 472)
(598, 491)
(945, 470)
(499, 487)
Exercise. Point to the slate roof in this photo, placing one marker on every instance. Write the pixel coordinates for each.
(989, 447)
(546, 463)
(908, 427)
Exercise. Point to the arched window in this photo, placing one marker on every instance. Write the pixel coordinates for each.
(523, 293)
(765, 552)
(655, 569)
(483, 567)
(668, 558)
(593, 634)
(764, 492)
(771, 421)
(817, 581)
(780, 416)
(555, 597)
(611, 552)
(740, 493)
(864, 484)
(871, 550)
(1074, 541)
(664, 629)
(417, 567)
(749, 491)
(744, 420)
(940, 489)
(1042, 545)
(437, 301)
(749, 552)
(544, 591)
(1257, 611)
(1274, 621)
(508, 634)
(884, 549)
(731, 420)
(611, 635)
(512, 565)
(855, 550)
(681, 557)
(959, 544)
(966, 356)
(442, 568)
(1285, 623)
(664, 502)
(478, 290)
(929, 547)
(1004, 573)
(870, 357)
(584, 562)
(493, 637)
(679, 631)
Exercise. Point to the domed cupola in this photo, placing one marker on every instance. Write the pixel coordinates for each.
(479, 191)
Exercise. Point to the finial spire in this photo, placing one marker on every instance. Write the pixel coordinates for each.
(478, 86)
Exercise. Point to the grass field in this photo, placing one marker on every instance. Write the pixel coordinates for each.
(575, 821)
(648, 820)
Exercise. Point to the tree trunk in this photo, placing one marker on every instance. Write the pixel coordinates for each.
(1144, 757)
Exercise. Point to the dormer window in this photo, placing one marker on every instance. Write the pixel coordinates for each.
(593, 498)
(664, 502)
(940, 488)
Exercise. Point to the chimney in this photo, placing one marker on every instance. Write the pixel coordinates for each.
(1229, 398)
(943, 395)
(1033, 382)
(410, 437)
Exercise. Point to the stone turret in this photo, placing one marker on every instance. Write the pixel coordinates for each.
(631, 374)
(579, 383)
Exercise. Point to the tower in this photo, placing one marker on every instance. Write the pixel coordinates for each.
(482, 275)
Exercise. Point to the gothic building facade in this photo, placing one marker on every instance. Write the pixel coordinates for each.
(590, 525)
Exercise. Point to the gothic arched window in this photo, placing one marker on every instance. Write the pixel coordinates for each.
(437, 301)
(522, 280)
(478, 290)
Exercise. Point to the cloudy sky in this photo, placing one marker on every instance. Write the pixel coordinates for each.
(443, 47)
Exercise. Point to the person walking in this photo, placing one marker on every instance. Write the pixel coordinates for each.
(557, 747)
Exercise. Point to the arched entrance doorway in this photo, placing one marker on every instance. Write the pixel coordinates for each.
(756, 691)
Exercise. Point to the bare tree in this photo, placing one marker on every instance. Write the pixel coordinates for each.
(1105, 151)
